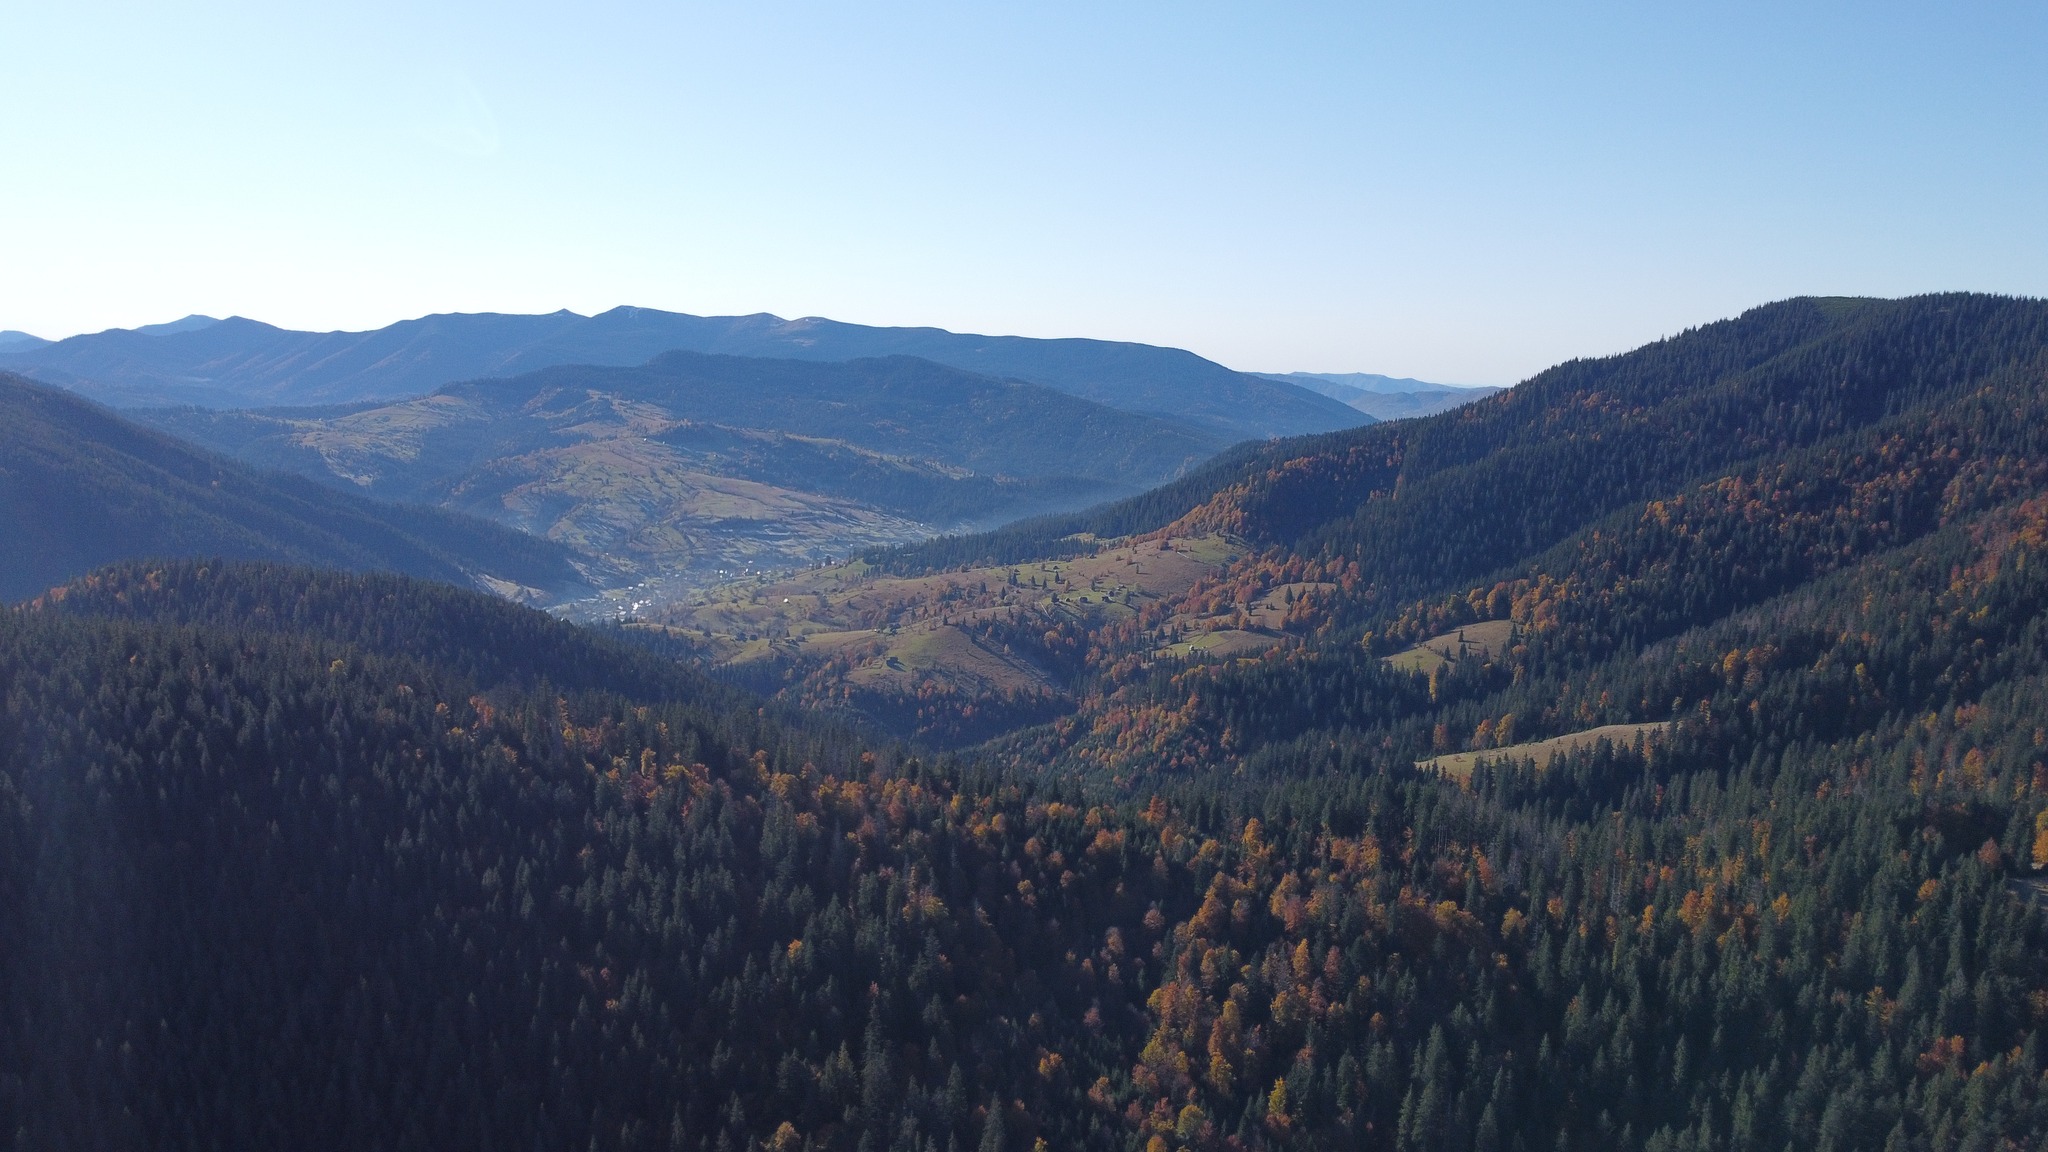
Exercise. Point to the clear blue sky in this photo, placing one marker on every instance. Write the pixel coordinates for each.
(1465, 194)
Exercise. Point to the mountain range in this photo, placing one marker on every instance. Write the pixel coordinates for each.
(1649, 757)
(653, 511)
(240, 363)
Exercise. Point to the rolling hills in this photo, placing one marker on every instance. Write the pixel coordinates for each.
(240, 363)
(81, 487)
(665, 474)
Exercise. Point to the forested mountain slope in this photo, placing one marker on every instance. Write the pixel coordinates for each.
(81, 487)
(1871, 423)
(239, 363)
(1465, 492)
(1516, 472)
(1803, 550)
(279, 874)
(1339, 534)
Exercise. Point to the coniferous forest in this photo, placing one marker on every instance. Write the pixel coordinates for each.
(300, 858)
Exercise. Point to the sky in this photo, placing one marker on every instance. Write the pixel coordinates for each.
(1462, 193)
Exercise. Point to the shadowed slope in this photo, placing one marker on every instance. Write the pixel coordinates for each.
(81, 487)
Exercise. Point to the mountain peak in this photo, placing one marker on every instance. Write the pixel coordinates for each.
(191, 323)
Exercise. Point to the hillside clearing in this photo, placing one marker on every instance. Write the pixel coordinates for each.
(1472, 641)
(1459, 765)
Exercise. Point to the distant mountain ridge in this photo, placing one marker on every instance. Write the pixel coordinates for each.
(1367, 382)
(1385, 397)
(192, 323)
(238, 362)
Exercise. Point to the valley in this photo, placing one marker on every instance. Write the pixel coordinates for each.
(664, 480)
(692, 469)
(1672, 718)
